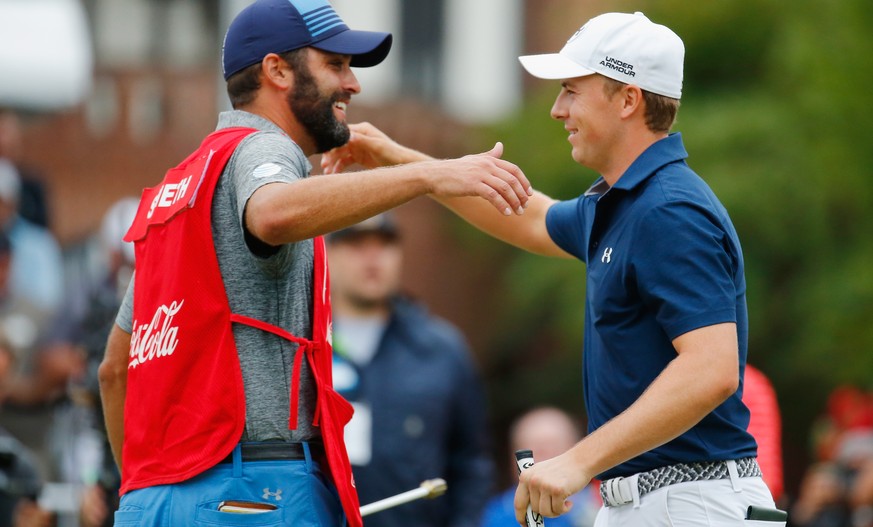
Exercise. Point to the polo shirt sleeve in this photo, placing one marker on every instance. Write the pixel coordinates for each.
(263, 158)
(124, 319)
(685, 269)
(565, 223)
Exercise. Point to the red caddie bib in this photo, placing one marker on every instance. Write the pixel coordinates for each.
(185, 404)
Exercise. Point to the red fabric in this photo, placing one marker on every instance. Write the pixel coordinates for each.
(765, 426)
(178, 425)
(185, 404)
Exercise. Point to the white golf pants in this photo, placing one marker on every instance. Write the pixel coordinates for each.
(714, 503)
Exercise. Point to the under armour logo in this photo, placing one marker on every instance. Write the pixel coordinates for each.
(267, 494)
(607, 254)
(576, 34)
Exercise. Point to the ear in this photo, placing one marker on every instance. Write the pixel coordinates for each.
(276, 72)
(631, 100)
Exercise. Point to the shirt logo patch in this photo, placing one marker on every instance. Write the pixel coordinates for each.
(607, 255)
(266, 170)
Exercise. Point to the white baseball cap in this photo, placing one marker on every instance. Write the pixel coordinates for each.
(628, 48)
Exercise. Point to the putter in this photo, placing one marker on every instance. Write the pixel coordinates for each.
(429, 489)
(524, 460)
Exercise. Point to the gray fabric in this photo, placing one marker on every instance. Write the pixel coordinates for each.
(658, 478)
(276, 289)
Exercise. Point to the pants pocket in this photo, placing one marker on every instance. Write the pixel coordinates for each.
(128, 517)
(207, 514)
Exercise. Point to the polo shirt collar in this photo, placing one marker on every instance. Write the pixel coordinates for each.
(663, 152)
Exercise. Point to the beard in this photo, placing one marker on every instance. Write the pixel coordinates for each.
(315, 111)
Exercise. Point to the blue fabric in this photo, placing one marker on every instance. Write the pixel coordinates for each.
(663, 259)
(277, 26)
(300, 491)
(428, 420)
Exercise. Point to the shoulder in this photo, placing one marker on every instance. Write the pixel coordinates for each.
(677, 184)
(676, 195)
(259, 152)
(24, 232)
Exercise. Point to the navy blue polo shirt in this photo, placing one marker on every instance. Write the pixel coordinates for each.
(662, 259)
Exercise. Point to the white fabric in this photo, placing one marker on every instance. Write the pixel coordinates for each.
(624, 47)
(358, 338)
(694, 504)
(734, 473)
(359, 435)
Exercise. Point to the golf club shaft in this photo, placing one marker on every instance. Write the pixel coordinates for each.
(428, 489)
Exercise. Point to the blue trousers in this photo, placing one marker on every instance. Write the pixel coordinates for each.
(302, 494)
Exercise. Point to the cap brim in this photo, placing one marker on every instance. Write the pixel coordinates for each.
(367, 48)
(553, 66)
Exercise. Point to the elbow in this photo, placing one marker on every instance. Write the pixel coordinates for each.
(268, 229)
(725, 386)
(111, 374)
(269, 222)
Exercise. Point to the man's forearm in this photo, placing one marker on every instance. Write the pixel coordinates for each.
(691, 386)
(113, 388)
(113, 412)
(527, 231)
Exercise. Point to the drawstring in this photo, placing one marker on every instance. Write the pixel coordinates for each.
(295, 386)
(304, 346)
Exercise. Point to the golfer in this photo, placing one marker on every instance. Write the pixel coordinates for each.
(665, 323)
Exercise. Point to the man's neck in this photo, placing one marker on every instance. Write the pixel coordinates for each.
(344, 307)
(628, 152)
(281, 116)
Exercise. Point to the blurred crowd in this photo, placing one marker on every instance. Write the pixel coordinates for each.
(55, 313)
(837, 488)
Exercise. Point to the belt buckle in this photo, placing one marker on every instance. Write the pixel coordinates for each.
(618, 491)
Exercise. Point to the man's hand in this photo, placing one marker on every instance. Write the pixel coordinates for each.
(548, 485)
(499, 182)
(370, 147)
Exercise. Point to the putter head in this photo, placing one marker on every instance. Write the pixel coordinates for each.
(435, 487)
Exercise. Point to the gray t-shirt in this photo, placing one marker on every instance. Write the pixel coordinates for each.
(275, 289)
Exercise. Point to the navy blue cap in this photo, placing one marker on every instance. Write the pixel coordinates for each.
(383, 224)
(277, 26)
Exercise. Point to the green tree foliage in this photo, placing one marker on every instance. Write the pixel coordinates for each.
(776, 115)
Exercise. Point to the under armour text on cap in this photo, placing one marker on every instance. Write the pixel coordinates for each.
(628, 48)
(277, 26)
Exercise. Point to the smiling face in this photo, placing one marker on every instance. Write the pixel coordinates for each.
(592, 119)
(323, 87)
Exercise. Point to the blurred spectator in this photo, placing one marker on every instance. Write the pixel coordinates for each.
(765, 426)
(32, 202)
(842, 434)
(41, 373)
(20, 483)
(821, 501)
(419, 406)
(79, 437)
(547, 432)
(861, 495)
(37, 269)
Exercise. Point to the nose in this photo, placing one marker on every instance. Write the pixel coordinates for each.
(559, 109)
(350, 81)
